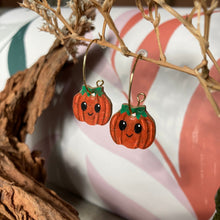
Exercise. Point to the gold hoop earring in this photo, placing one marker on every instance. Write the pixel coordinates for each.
(91, 104)
(132, 126)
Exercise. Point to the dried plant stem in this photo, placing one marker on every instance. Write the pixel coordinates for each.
(156, 28)
(155, 22)
(201, 71)
(213, 60)
(206, 21)
(163, 63)
(198, 7)
(77, 15)
(59, 16)
(184, 69)
(188, 25)
(212, 84)
(207, 25)
(208, 94)
(58, 6)
(22, 172)
(101, 42)
(104, 27)
(111, 25)
(190, 16)
(103, 31)
(162, 55)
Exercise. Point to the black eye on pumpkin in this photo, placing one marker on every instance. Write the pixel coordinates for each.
(122, 125)
(138, 128)
(97, 108)
(83, 106)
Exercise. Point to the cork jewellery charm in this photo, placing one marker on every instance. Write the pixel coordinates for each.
(91, 104)
(133, 126)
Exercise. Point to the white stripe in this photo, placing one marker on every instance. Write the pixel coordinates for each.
(138, 186)
(4, 72)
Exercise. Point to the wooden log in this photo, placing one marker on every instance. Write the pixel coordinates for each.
(22, 173)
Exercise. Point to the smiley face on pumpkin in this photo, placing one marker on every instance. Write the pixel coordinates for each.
(134, 129)
(93, 106)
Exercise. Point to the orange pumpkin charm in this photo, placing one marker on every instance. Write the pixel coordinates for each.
(92, 106)
(133, 128)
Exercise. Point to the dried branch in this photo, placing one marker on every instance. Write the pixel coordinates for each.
(190, 16)
(23, 89)
(58, 6)
(79, 22)
(29, 92)
(26, 95)
(154, 18)
(208, 94)
(102, 37)
(22, 197)
(104, 10)
(207, 13)
(22, 172)
(188, 25)
(155, 21)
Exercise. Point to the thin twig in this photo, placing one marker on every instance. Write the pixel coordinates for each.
(198, 7)
(156, 28)
(112, 26)
(155, 22)
(208, 94)
(206, 81)
(213, 60)
(58, 6)
(190, 16)
(104, 27)
(188, 25)
(212, 84)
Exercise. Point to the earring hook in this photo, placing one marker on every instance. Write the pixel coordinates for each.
(138, 98)
(141, 53)
(84, 63)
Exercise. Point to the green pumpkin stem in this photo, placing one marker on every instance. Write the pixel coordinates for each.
(138, 110)
(97, 90)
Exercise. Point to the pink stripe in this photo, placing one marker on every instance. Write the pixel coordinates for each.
(143, 159)
(112, 197)
(199, 152)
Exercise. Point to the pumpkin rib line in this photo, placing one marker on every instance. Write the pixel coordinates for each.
(117, 140)
(108, 108)
(151, 130)
(84, 112)
(115, 124)
(75, 105)
(97, 100)
(124, 116)
(147, 138)
(103, 103)
(112, 126)
(139, 139)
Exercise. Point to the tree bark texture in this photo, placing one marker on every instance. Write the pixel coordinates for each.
(22, 173)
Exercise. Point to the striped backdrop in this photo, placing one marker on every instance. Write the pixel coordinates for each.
(178, 176)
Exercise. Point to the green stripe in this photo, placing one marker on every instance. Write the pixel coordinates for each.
(16, 53)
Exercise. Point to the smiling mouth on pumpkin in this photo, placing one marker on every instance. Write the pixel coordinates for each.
(90, 114)
(129, 135)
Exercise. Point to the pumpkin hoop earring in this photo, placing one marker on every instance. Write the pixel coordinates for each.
(91, 104)
(132, 126)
